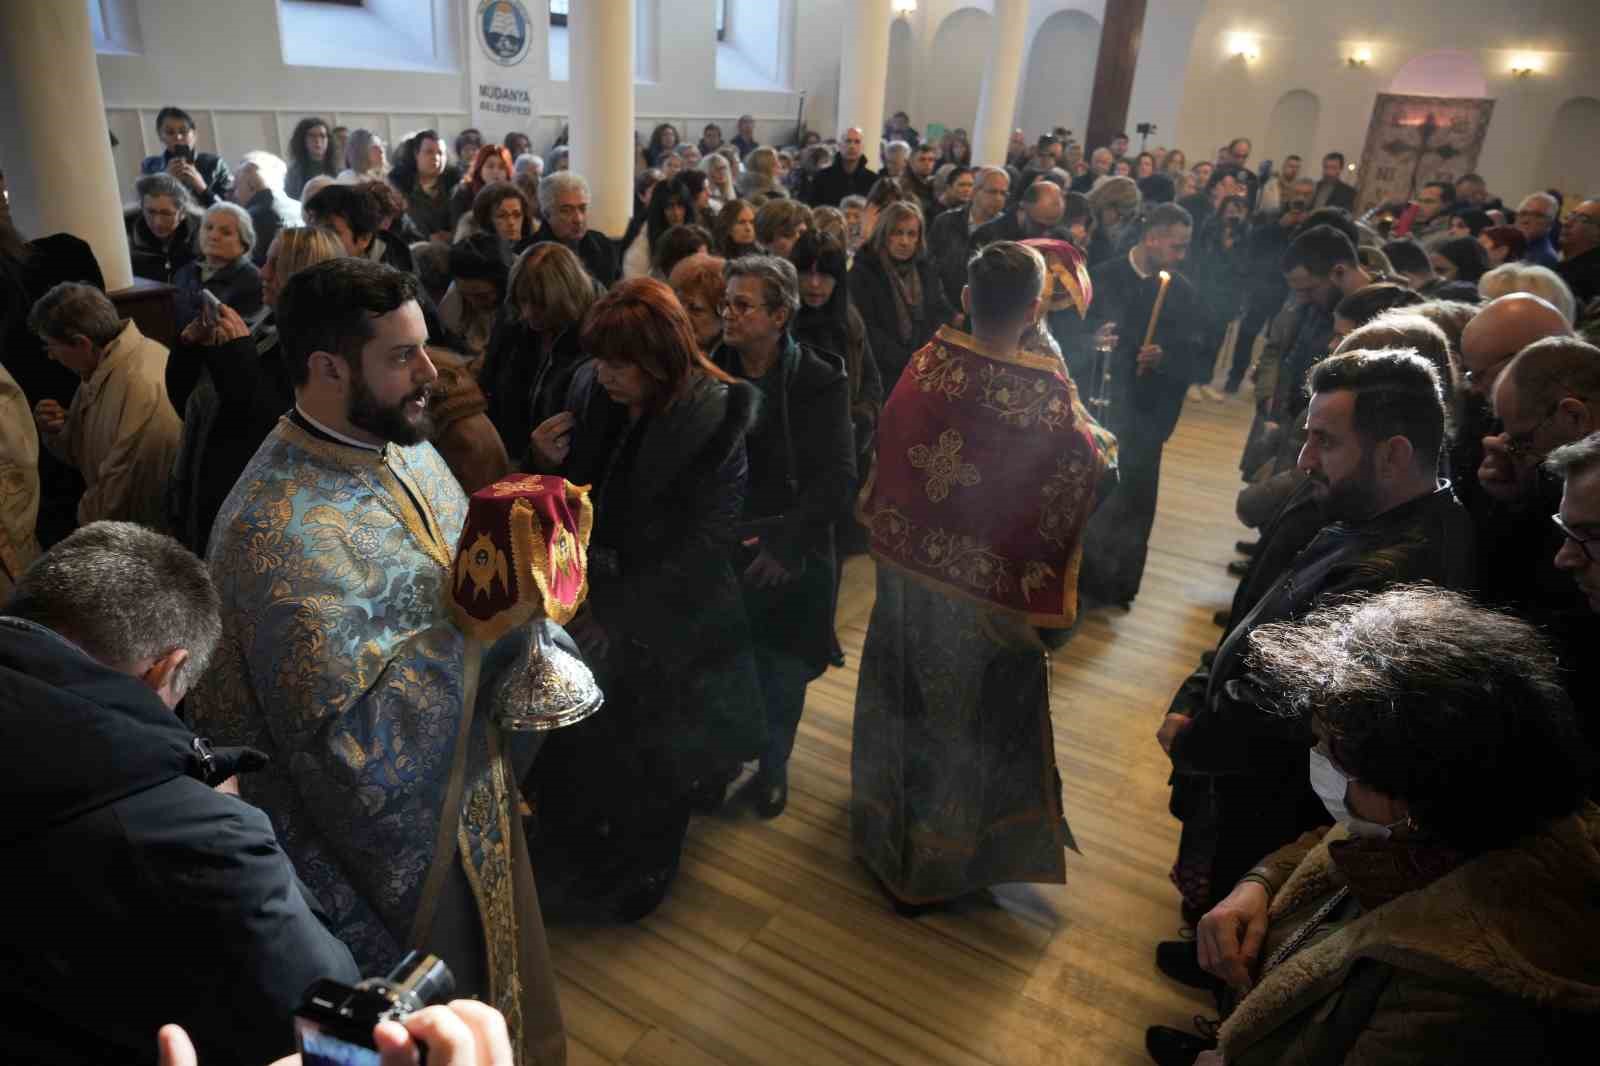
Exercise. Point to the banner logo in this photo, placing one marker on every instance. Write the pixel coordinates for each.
(503, 30)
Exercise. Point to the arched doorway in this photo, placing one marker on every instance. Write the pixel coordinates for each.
(1441, 74)
(1567, 161)
(1060, 74)
(960, 50)
(1292, 129)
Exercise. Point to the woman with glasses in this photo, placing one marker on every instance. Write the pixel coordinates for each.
(162, 230)
(802, 477)
(660, 435)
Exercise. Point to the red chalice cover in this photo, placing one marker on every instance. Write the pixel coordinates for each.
(523, 554)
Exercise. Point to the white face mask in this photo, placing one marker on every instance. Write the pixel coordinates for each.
(1330, 784)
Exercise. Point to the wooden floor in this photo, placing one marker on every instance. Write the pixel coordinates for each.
(774, 947)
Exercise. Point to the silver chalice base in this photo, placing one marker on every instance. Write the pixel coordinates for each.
(550, 689)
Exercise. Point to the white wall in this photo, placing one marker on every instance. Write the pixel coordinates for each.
(1059, 77)
(1303, 45)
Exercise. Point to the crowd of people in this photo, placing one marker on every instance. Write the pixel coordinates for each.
(264, 768)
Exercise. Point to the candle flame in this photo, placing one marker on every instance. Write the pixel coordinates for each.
(1164, 276)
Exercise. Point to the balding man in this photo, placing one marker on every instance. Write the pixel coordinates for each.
(1580, 251)
(950, 234)
(847, 175)
(1536, 216)
(258, 188)
(1038, 214)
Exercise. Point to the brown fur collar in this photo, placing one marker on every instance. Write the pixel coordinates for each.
(1524, 921)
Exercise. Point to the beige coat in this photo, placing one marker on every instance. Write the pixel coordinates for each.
(19, 483)
(122, 433)
(1494, 962)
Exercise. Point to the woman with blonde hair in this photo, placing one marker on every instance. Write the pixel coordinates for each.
(719, 179)
(229, 382)
(895, 287)
(759, 182)
(534, 349)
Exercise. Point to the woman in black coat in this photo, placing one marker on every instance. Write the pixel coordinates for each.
(660, 435)
(534, 349)
(895, 287)
(802, 478)
(224, 268)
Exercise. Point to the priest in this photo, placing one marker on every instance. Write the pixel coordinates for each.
(333, 559)
(986, 473)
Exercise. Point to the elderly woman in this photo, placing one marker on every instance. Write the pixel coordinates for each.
(230, 384)
(162, 230)
(365, 158)
(503, 210)
(534, 351)
(1450, 916)
(660, 435)
(223, 269)
(895, 287)
(699, 284)
(802, 479)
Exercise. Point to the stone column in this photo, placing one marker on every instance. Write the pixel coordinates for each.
(864, 73)
(997, 102)
(600, 37)
(54, 143)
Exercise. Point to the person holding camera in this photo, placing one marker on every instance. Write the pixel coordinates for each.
(205, 175)
(141, 893)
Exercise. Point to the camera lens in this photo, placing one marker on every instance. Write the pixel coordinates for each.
(422, 980)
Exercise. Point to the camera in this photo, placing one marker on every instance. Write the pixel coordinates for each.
(333, 1025)
(1145, 129)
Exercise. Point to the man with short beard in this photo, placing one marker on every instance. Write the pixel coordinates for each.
(333, 559)
(1375, 426)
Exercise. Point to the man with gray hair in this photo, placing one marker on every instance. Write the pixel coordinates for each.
(802, 477)
(950, 233)
(1536, 217)
(167, 899)
(121, 432)
(1578, 520)
(258, 188)
(564, 203)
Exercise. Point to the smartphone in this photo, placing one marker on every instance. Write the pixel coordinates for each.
(181, 151)
(210, 308)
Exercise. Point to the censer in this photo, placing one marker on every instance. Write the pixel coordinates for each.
(522, 561)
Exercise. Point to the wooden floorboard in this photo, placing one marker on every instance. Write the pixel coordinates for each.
(775, 949)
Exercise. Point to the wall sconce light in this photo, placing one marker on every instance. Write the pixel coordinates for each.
(1359, 57)
(903, 8)
(1245, 46)
(1525, 64)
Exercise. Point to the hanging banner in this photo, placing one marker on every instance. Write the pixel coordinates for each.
(502, 36)
(1413, 140)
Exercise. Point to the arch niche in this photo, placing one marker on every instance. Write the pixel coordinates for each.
(1292, 129)
(1060, 74)
(1567, 160)
(960, 49)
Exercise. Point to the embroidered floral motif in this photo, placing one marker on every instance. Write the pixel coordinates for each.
(890, 527)
(965, 560)
(939, 368)
(354, 547)
(1064, 493)
(944, 465)
(1021, 402)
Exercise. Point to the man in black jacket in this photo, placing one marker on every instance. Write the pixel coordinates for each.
(564, 202)
(140, 894)
(1038, 214)
(950, 234)
(1374, 429)
(1331, 190)
(259, 190)
(847, 175)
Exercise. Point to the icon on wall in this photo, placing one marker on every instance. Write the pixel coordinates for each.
(503, 30)
(1413, 140)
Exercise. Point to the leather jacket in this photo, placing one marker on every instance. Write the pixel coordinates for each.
(1237, 727)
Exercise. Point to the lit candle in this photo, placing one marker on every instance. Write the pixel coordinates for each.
(1155, 312)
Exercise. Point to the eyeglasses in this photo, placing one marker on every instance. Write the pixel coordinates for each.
(1487, 374)
(1588, 220)
(1519, 446)
(1582, 542)
(738, 308)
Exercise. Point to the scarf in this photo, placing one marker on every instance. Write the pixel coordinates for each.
(906, 283)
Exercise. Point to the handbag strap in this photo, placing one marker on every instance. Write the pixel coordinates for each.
(444, 845)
